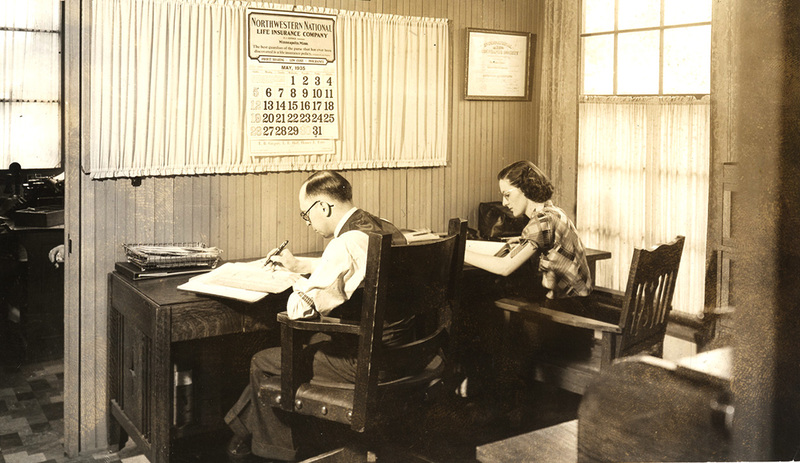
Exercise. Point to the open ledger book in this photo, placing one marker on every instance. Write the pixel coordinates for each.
(495, 248)
(244, 281)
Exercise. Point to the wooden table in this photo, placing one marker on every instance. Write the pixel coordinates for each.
(710, 366)
(644, 408)
(554, 444)
(482, 331)
(153, 325)
(592, 256)
(37, 290)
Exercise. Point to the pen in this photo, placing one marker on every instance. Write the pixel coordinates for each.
(277, 251)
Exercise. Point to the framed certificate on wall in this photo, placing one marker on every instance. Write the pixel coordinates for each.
(499, 65)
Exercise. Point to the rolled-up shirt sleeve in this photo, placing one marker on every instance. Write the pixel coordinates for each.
(340, 271)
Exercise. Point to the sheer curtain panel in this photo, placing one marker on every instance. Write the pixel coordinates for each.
(30, 83)
(643, 179)
(168, 83)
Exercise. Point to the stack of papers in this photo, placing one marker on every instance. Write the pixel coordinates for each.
(150, 256)
(244, 281)
(414, 235)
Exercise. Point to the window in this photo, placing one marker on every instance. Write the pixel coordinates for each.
(646, 47)
(644, 135)
(30, 83)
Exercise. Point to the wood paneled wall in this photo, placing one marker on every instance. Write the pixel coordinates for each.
(246, 215)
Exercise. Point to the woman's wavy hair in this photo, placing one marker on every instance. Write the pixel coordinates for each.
(533, 183)
(331, 184)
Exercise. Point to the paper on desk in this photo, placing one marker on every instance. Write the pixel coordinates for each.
(495, 248)
(245, 281)
(414, 235)
(488, 248)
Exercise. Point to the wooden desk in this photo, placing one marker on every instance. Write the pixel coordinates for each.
(554, 444)
(151, 325)
(556, 311)
(710, 366)
(34, 285)
(484, 337)
(649, 409)
(592, 256)
(518, 285)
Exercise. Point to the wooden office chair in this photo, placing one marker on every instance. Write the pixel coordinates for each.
(630, 323)
(422, 278)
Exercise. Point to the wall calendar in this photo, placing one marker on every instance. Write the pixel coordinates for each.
(292, 98)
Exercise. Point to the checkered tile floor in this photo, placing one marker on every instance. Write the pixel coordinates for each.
(32, 418)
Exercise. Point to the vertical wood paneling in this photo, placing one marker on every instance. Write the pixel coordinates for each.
(181, 206)
(105, 231)
(214, 210)
(91, 406)
(164, 211)
(267, 226)
(144, 211)
(246, 215)
(124, 232)
(238, 220)
(249, 220)
(223, 219)
(201, 209)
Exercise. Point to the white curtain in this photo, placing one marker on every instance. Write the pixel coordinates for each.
(168, 83)
(30, 84)
(643, 168)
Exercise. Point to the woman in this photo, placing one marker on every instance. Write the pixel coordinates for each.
(550, 242)
(549, 238)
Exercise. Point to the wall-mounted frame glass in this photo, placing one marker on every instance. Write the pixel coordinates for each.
(499, 65)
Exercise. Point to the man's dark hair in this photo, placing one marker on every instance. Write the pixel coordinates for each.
(533, 183)
(331, 184)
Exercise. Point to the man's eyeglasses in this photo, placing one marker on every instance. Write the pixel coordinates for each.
(304, 215)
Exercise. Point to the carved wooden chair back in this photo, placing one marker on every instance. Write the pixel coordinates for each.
(648, 296)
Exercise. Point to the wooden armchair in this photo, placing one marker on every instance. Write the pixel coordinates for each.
(421, 278)
(630, 323)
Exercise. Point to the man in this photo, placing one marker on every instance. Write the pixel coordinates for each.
(326, 205)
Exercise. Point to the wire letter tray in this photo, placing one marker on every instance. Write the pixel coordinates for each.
(174, 255)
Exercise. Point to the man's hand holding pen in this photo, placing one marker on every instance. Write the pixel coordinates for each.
(269, 262)
(283, 258)
(286, 260)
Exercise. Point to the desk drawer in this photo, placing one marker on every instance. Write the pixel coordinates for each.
(216, 318)
(135, 309)
(194, 322)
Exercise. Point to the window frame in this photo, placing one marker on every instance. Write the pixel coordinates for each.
(615, 33)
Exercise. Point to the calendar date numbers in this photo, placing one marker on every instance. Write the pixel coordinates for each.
(303, 106)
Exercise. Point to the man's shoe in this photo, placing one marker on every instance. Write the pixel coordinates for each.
(238, 448)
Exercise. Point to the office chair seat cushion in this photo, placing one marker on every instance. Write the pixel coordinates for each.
(334, 401)
(432, 371)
